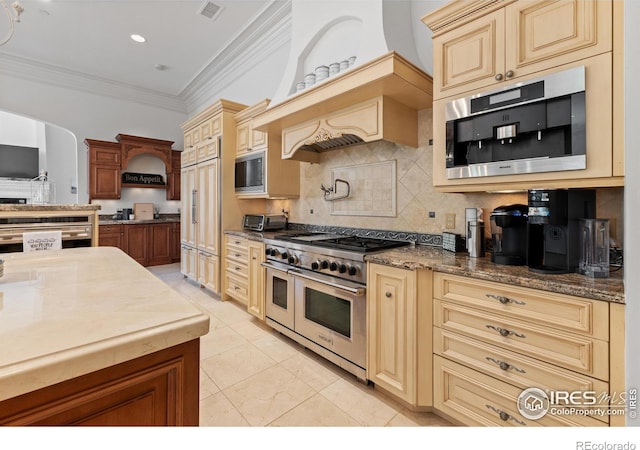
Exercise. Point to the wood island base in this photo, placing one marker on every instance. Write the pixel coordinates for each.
(157, 389)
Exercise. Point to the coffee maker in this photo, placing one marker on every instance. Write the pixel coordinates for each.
(509, 234)
(553, 228)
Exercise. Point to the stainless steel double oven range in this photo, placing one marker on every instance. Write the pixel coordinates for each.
(316, 293)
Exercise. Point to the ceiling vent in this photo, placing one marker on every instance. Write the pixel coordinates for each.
(210, 10)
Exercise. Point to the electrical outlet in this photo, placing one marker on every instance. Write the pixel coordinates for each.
(450, 221)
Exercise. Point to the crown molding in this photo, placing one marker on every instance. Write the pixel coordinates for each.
(269, 31)
(25, 68)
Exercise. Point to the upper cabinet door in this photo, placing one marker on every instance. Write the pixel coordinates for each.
(520, 39)
(470, 56)
(544, 34)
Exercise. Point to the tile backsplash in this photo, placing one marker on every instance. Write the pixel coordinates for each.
(416, 197)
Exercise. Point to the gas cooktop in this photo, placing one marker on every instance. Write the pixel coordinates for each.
(337, 241)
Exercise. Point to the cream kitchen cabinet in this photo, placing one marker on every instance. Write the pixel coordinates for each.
(245, 277)
(491, 341)
(399, 343)
(492, 43)
(281, 178)
(248, 139)
(484, 46)
(208, 200)
(256, 294)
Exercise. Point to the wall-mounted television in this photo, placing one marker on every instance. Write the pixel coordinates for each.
(18, 162)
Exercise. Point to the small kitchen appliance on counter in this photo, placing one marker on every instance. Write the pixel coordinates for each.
(264, 222)
(509, 234)
(553, 228)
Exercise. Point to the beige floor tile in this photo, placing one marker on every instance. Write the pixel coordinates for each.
(267, 395)
(407, 418)
(237, 364)
(359, 402)
(219, 340)
(217, 411)
(207, 386)
(316, 375)
(315, 412)
(277, 347)
(252, 330)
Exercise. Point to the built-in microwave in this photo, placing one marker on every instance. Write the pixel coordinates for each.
(533, 126)
(250, 173)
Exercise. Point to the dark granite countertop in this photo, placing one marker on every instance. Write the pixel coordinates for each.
(423, 256)
(169, 218)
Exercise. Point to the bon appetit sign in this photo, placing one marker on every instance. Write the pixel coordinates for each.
(142, 178)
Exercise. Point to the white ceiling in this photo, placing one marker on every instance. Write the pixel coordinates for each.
(91, 38)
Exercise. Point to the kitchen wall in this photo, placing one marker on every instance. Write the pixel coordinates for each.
(95, 111)
(415, 194)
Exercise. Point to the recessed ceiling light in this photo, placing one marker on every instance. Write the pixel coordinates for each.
(44, 12)
(160, 67)
(138, 38)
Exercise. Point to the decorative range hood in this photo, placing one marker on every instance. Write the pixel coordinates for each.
(378, 100)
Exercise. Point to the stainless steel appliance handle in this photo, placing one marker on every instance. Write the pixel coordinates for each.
(357, 291)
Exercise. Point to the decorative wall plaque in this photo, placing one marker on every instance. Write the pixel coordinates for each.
(142, 178)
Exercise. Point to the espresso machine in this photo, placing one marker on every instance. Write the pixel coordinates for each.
(553, 228)
(509, 234)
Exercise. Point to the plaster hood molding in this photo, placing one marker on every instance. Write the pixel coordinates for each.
(378, 100)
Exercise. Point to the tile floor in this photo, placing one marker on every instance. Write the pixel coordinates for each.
(251, 375)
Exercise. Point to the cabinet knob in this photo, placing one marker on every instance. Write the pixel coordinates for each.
(509, 73)
(499, 77)
(388, 294)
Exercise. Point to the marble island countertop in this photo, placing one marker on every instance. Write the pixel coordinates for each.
(61, 207)
(65, 313)
(423, 256)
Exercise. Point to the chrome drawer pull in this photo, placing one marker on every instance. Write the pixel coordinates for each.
(505, 415)
(504, 365)
(504, 332)
(505, 300)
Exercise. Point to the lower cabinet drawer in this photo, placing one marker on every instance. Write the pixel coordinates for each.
(570, 351)
(513, 368)
(475, 399)
(237, 288)
(237, 269)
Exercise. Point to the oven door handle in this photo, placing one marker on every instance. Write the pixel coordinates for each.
(356, 291)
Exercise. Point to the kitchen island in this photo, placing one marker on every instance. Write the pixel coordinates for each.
(88, 336)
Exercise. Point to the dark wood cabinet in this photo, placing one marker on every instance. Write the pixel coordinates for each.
(107, 160)
(136, 240)
(160, 238)
(111, 236)
(150, 244)
(104, 169)
(175, 242)
(157, 389)
(173, 178)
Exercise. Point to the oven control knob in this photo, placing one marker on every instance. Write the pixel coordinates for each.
(315, 265)
(333, 267)
(273, 252)
(324, 264)
(284, 255)
(293, 259)
(353, 270)
(267, 252)
(342, 268)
